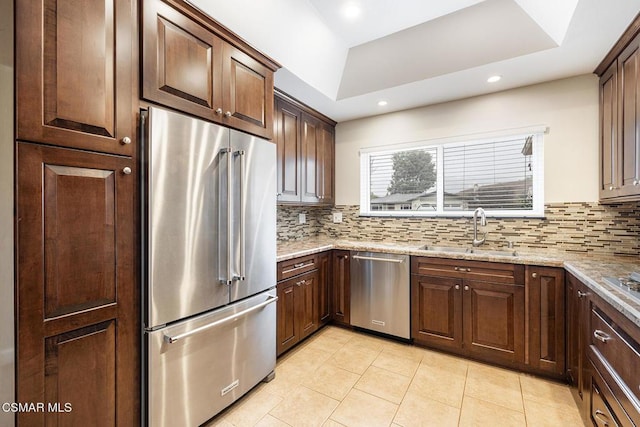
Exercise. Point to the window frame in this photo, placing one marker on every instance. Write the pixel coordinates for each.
(537, 160)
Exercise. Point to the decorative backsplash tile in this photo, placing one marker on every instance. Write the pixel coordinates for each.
(573, 227)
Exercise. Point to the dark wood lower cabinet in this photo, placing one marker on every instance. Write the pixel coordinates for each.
(437, 311)
(324, 288)
(78, 331)
(493, 321)
(546, 319)
(455, 311)
(297, 314)
(340, 288)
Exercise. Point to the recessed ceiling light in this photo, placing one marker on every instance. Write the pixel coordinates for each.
(351, 10)
(382, 103)
(494, 79)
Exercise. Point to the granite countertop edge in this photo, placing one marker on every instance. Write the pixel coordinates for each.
(590, 269)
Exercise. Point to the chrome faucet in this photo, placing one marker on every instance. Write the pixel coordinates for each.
(483, 222)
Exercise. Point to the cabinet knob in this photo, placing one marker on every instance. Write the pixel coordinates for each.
(126, 140)
(636, 182)
(227, 114)
(534, 275)
(457, 287)
(466, 288)
(611, 188)
(456, 268)
(581, 294)
(126, 170)
(219, 111)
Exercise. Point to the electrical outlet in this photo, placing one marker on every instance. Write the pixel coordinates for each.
(337, 217)
(302, 218)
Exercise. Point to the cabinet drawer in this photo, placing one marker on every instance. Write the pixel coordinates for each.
(494, 272)
(604, 409)
(293, 267)
(618, 353)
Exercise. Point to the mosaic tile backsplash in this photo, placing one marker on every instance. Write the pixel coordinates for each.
(572, 227)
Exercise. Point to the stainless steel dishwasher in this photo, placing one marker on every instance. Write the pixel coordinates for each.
(380, 293)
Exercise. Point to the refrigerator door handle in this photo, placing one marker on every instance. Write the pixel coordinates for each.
(228, 279)
(243, 208)
(170, 339)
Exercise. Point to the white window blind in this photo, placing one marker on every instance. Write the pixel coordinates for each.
(502, 175)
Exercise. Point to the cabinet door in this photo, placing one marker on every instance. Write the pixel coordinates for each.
(324, 293)
(325, 163)
(494, 321)
(289, 147)
(307, 302)
(78, 305)
(609, 133)
(75, 73)
(287, 331)
(181, 62)
(436, 307)
(629, 120)
(545, 296)
(576, 297)
(309, 159)
(247, 96)
(341, 288)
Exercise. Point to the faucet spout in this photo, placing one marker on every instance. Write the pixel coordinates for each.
(483, 222)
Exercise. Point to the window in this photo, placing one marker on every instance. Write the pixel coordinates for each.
(503, 175)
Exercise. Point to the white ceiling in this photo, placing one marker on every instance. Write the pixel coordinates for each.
(419, 52)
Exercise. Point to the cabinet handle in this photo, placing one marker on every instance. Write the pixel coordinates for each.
(227, 114)
(456, 268)
(636, 182)
(126, 140)
(301, 264)
(468, 270)
(611, 188)
(219, 111)
(602, 417)
(581, 294)
(534, 275)
(126, 170)
(466, 288)
(457, 287)
(301, 282)
(601, 335)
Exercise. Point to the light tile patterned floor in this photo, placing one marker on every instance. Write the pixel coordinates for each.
(344, 378)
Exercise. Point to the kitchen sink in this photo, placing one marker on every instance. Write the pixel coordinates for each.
(458, 249)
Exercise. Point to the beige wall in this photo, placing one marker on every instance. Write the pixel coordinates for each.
(6, 211)
(569, 108)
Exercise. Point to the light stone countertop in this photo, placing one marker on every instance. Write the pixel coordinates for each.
(590, 269)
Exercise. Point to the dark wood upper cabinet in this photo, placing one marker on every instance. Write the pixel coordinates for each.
(194, 65)
(75, 73)
(78, 335)
(620, 118)
(546, 323)
(306, 154)
(289, 145)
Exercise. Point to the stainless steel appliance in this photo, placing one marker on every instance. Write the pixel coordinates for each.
(209, 218)
(629, 285)
(380, 293)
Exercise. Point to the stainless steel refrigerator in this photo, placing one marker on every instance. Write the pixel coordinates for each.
(209, 254)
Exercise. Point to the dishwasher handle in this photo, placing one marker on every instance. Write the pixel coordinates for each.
(371, 258)
(169, 339)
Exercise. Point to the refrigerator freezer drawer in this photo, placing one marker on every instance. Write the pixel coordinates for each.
(200, 366)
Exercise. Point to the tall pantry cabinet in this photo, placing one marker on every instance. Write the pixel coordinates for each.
(77, 309)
